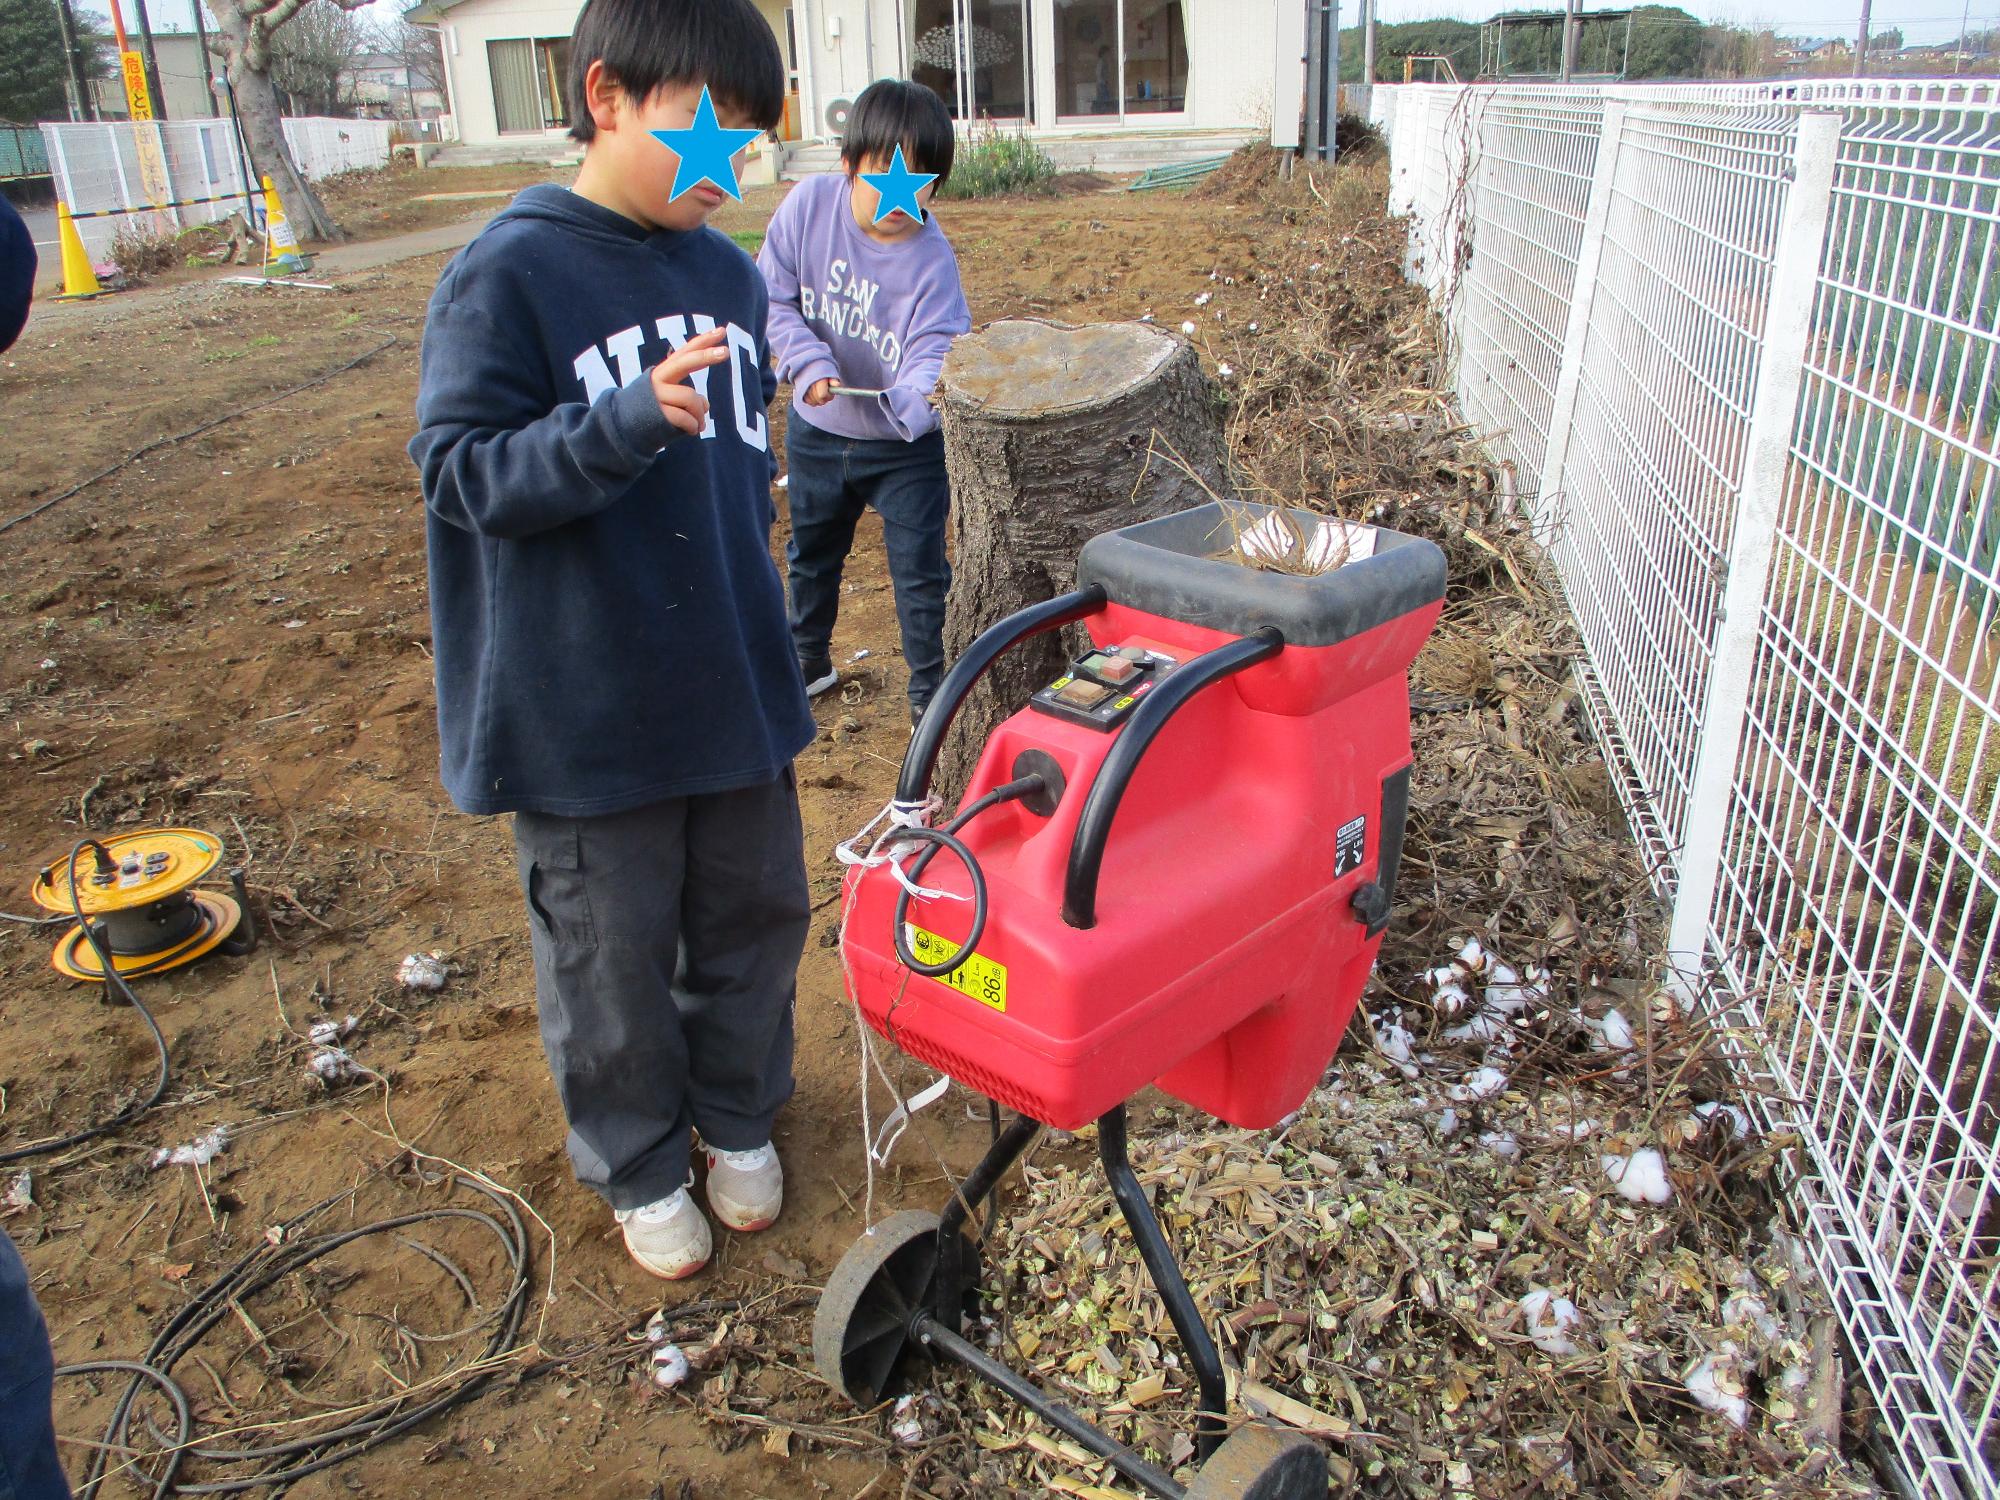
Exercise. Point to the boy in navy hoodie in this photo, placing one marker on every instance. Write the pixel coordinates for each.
(613, 662)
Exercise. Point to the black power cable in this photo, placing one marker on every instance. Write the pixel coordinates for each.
(113, 981)
(284, 1463)
(943, 838)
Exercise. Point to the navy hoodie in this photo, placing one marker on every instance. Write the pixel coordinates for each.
(608, 624)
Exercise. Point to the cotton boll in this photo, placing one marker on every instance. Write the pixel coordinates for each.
(1501, 1143)
(1612, 1034)
(1640, 1177)
(1553, 1322)
(1447, 1123)
(1187, 328)
(1474, 958)
(1452, 1000)
(908, 1426)
(1224, 371)
(1481, 1028)
(1484, 1083)
(1732, 1117)
(670, 1366)
(1202, 300)
(1716, 1383)
(1747, 1310)
(1396, 1044)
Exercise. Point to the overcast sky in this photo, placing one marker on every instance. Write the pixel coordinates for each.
(1919, 20)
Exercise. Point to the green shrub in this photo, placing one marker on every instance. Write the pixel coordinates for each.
(994, 164)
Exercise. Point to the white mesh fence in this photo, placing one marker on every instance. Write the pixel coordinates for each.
(166, 176)
(1738, 343)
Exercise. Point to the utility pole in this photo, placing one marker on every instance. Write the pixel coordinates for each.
(83, 107)
(152, 62)
(1332, 79)
(1861, 50)
(1571, 9)
(207, 64)
(1964, 26)
(1315, 76)
(1368, 8)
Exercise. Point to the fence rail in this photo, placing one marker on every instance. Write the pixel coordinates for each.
(1738, 343)
(173, 174)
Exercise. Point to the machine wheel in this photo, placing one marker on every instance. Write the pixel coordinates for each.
(861, 1333)
(1263, 1463)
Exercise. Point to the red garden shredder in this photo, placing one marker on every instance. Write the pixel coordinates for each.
(1173, 866)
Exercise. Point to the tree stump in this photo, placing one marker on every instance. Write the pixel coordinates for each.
(1052, 434)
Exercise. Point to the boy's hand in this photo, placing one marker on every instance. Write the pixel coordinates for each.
(819, 393)
(678, 402)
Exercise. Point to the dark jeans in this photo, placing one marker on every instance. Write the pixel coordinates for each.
(833, 479)
(667, 943)
(28, 1467)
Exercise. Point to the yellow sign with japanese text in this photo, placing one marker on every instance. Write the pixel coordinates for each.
(139, 101)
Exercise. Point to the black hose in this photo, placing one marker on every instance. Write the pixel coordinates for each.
(379, 1422)
(183, 1412)
(113, 982)
(942, 838)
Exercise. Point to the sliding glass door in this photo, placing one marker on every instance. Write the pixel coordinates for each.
(975, 54)
(530, 80)
(1118, 58)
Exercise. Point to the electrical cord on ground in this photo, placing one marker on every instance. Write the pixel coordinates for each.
(943, 838)
(181, 437)
(113, 981)
(370, 1424)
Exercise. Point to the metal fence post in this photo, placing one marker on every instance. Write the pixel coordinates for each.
(1795, 264)
(1589, 254)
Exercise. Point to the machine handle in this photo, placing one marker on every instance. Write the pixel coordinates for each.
(994, 642)
(1093, 827)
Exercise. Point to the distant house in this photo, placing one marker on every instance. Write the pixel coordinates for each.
(385, 87)
(183, 79)
(1050, 66)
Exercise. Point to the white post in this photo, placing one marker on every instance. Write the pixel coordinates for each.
(1589, 256)
(1767, 456)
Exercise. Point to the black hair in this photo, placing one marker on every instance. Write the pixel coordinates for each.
(894, 112)
(649, 45)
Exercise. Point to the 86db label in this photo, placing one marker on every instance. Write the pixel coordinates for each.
(978, 976)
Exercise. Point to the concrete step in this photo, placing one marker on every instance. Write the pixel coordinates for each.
(1111, 152)
(555, 153)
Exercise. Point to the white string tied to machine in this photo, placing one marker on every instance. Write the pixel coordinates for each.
(884, 848)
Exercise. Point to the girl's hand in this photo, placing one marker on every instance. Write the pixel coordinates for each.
(819, 393)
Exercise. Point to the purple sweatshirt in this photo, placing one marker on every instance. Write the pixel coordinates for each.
(851, 309)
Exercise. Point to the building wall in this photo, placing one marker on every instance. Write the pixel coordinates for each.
(844, 45)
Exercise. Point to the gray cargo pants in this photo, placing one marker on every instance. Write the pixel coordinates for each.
(667, 943)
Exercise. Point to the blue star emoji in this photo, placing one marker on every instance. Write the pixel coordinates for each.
(899, 187)
(705, 151)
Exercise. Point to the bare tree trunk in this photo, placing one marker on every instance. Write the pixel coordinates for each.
(245, 33)
(1047, 431)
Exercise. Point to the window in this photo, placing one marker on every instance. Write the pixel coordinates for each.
(530, 83)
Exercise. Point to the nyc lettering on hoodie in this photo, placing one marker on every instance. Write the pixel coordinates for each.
(608, 626)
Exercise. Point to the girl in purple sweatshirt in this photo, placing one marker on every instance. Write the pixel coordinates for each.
(862, 313)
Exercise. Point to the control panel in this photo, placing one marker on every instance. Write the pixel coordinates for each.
(1101, 687)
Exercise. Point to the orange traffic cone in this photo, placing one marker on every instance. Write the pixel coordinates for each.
(281, 246)
(78, 280)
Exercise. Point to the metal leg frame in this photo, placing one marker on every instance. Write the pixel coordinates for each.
(1166, 1273)
(937, 1329)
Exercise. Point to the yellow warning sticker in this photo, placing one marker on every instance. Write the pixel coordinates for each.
(1124, 703)
(979, 976)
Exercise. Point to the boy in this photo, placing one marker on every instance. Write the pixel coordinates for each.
(870, 306)
(613, 665)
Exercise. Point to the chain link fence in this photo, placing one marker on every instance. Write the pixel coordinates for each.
(1738, 344)
(166, 176)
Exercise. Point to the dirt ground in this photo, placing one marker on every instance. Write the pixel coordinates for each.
(230, 632)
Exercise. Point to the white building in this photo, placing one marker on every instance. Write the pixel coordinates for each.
(1057, 67)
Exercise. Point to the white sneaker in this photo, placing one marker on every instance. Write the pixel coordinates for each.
(670, 1238)
(820, 676)
(746, 1188)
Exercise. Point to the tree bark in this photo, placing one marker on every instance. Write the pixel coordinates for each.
(1052, 434)
(246, 26)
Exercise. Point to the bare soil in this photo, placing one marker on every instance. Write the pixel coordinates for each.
(230, 632)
